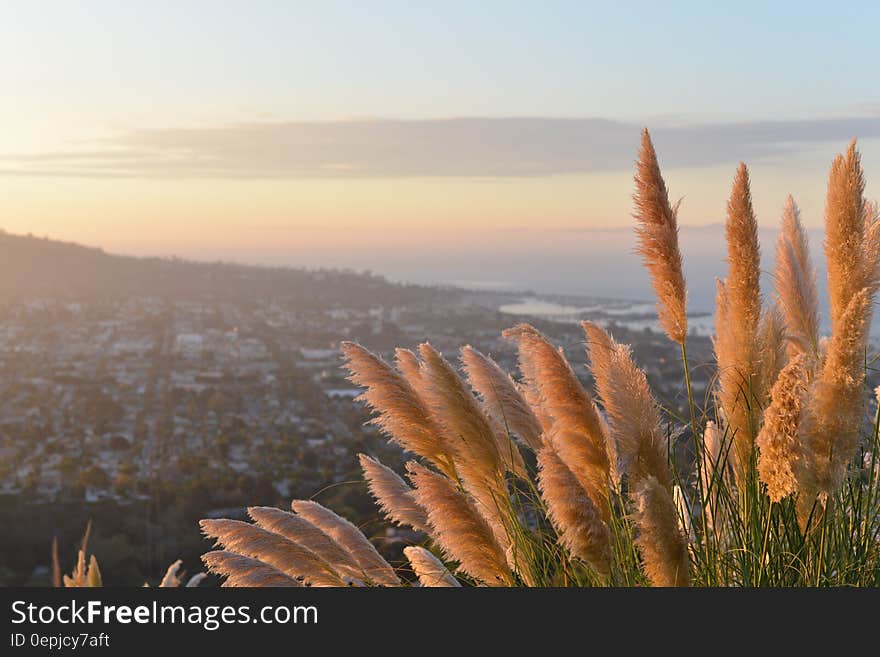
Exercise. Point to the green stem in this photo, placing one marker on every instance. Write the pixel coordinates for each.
(822, 543)
(690, 394)
(698, 466)
(763, 557)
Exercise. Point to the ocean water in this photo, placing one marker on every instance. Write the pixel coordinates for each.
(537, 264)
(702, 323)
(619, 312)
(602, 264)
(587, 263)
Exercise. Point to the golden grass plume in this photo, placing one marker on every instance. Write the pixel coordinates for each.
(458, 527)
(657, 233)
(737, 322)
(401, 412)
(241, 571)
(577, 521)
(795, 283)
(429, 569)
(660, 541)
(779, 438)
(297, 529)
(394, 496)
(502, 399)
(349, 538)
(633, 414)
(290, 558)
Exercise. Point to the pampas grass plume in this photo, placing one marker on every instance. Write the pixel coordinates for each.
(429, 569)
(740, 312)
(660, 541)
(503, 400)
(241, 571)
(844, 231)
(395, 497)
(633, 415)
(401, 412)
(290, 558)
(577, 521)
(779, 440)
(297, 529)
(349, 538)
(459, 528)
(657, 232)
(795, 282)
(574, 425)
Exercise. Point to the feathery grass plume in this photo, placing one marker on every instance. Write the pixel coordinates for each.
(478, 460)
(795, 282)
(634, 418)
(771, 354)
(408, 365)
(87, 573)
(394, 496)
(662, 546)
(507, 446)
(429, 569)
(171, 578)
(725, 347)
(302, 532)
(459, 413)
(723, 341)
(401, 412)
(77, 578)
(633, 415)
(529, 384)
(501, 398)
(737, 367)
(872, 246)
(778, 440)
(657, 232)
(614, 469)
(241, 571)
(349, 538)
(744, 255)
(598, 354)
(833, 412)
(573, 514)
(93, 576)
(196, 580)
(713, 473)
(84, 576)
(575, 426)
(562, 396)
(845, 232)
(586, 463)
(257, 543)
(459, 528)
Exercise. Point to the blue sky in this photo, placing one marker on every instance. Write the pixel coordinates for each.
(325, 60)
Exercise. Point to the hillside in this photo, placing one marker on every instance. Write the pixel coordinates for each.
(33, 268)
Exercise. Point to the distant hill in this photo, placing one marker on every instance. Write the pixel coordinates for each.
(32, 268)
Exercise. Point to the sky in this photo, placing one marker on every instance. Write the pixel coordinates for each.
(433, 141)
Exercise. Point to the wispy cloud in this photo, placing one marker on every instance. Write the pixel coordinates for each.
(468, 147)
